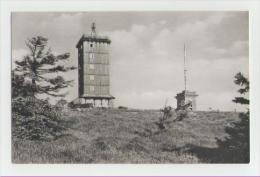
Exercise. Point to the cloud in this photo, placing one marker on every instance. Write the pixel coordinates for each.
(149, 57)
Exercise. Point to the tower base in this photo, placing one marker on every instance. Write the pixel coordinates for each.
(93, 102)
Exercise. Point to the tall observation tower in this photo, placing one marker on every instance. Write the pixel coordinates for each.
(186, 99)
(93, 70)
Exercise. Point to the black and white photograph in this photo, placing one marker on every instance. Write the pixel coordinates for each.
(130, 87)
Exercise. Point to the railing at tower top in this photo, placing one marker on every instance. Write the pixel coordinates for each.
(95, 37)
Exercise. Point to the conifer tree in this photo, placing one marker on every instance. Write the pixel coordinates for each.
(242, 81)
(36, 65)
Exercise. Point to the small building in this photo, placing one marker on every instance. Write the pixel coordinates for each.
(93, 70)
(186, 100)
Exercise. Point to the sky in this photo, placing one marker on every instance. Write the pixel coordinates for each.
(146, 53)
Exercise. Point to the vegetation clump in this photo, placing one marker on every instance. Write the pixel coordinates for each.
(167, 113)
(181, 114)
(34, 119)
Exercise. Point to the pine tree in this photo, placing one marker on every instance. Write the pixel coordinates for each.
(37, 64)
(242, 81)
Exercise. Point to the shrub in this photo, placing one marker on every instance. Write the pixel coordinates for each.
(122, 107)
(34, 119)
(30, 106)
(167, 113)
(182, 114)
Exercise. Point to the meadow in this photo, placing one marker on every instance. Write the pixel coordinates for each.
(133, 136)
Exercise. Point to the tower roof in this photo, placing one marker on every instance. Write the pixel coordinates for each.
(93, 37)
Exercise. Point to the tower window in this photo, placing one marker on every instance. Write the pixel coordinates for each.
(91, 77)
(91, 66)
(91, 45)
(92, 88)
(91, 55)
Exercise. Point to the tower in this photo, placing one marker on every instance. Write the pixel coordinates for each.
(93, 70)
(186, 100)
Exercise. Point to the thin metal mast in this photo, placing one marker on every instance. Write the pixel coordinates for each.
(93, 29)
(185, 70)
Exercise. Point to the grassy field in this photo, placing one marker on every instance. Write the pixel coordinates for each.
(133, 136)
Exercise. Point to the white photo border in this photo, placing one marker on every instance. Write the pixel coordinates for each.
(9, 169)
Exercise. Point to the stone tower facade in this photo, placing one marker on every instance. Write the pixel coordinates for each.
(93, 70)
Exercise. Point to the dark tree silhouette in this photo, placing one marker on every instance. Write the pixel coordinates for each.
(235, 148)
(242, 81)
(35, 66)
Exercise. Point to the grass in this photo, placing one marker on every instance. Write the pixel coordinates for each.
(133, 136)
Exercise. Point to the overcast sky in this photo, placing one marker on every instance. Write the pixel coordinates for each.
(146, 57)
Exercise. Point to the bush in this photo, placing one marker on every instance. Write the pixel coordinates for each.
(122, 107)
(31, 106)
(34, 119)
(167, 113)
(182, 114)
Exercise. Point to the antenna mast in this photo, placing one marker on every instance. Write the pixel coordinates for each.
(185, 70)
(93, 29)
